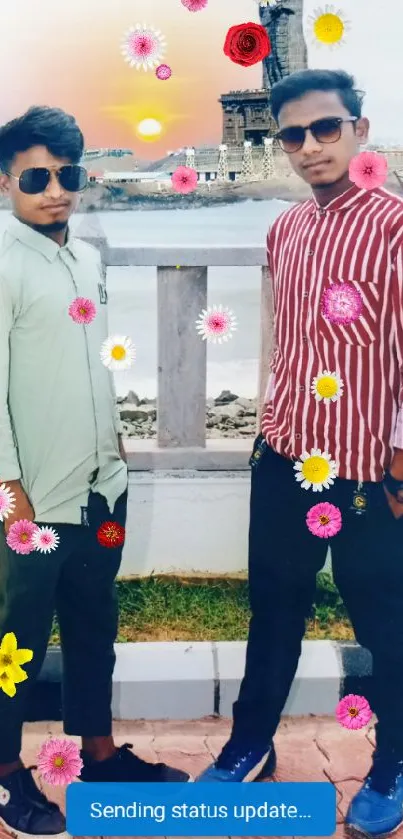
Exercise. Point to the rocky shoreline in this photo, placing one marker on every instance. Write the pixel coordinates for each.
(228, 416)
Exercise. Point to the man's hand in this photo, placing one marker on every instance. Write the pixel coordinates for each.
(396, 470)
(121, 448)
(22, 506)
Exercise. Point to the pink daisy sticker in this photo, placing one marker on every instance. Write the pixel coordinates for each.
(342, 303)
(184, 180)
(194, 5)
(324, 520)
(163, 72)
(216, 324)
(59, 761)
(82, 310)
(368, 170)
(45, 540)
(353, 711)
(7, 499)
(20, 536)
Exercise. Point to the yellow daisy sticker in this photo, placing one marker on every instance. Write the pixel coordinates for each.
(11, 659)
(315, 469)
(118, 352)
(327, 387)
(328, 26)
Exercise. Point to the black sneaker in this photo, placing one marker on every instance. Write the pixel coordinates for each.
(25, 812)
(126, 767)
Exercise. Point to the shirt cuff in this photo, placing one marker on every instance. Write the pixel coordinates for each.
(398, 436)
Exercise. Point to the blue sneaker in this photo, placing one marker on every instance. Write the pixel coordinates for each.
(239, 762)
(377, 809)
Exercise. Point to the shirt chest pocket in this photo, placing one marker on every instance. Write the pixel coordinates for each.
(350, 312)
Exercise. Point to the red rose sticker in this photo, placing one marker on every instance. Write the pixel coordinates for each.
(247, 44)
(111, 534)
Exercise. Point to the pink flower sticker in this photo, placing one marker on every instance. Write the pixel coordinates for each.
(194, 5)
(324, 520)
(20, 536)
(368, 170)
(184, 180)
(163, 72)
(82, 310)
(342, 303)
(353, 711)
(59, 761)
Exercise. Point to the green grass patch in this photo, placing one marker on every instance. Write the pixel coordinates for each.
(177, 609)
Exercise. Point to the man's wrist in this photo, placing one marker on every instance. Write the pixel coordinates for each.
(394, 486)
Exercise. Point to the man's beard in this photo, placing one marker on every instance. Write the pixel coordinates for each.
(55, 227)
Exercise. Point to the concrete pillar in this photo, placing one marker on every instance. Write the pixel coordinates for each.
(182, 357)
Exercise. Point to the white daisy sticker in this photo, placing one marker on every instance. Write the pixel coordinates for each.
(118, 353)
(328, 27)
(7, 502)
(45, 540)
(216, 324)
(327, 387)
(316, 470)
(143, 47)
(4, 796)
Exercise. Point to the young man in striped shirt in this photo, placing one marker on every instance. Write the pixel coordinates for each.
(333, 421)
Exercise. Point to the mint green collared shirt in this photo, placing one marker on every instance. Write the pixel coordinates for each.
(58, 415)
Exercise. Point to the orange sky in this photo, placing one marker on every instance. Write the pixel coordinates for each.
(69, 56)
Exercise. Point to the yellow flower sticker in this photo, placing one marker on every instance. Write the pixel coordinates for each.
(328, 26)
(327, 387)
(315, 469)
(11, 659)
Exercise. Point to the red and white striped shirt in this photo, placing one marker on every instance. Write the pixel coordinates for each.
(356, 239)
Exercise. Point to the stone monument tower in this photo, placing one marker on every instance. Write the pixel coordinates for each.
(246, 113)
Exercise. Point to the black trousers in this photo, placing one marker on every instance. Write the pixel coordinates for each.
(77, 581)
(284, 559)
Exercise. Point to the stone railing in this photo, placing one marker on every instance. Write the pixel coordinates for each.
(182, 354)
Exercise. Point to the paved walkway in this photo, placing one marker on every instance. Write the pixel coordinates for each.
(308, 749)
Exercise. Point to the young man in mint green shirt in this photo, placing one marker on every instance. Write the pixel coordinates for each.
(63, 462)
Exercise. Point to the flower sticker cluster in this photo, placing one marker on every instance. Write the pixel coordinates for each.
(353, 711)
(25, 536)
(118, 353)
(216, 324)
(368, 170)
(143, 47)
(342, 303)
(82, 310)
(247, 44)
(7, 502)
(59, 761)
(315, 470)
(111, 534)
(11, 661)
(328, 26)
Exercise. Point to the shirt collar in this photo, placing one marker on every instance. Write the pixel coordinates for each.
(352, 196)
(38, 242)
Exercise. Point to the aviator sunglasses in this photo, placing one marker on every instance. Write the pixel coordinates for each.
(72, 178)
(327, 130)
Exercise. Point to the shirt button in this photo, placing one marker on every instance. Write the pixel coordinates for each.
(311, 253)
(304, 338)
(298, 436)
(302, 388)
(322, 212)
(305, 294)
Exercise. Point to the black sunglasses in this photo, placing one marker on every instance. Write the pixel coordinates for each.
(327, 130)
(32, 181)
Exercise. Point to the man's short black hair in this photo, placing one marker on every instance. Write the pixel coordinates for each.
(41, 126)
(308, 81)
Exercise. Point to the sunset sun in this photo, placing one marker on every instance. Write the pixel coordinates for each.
(149, 129)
